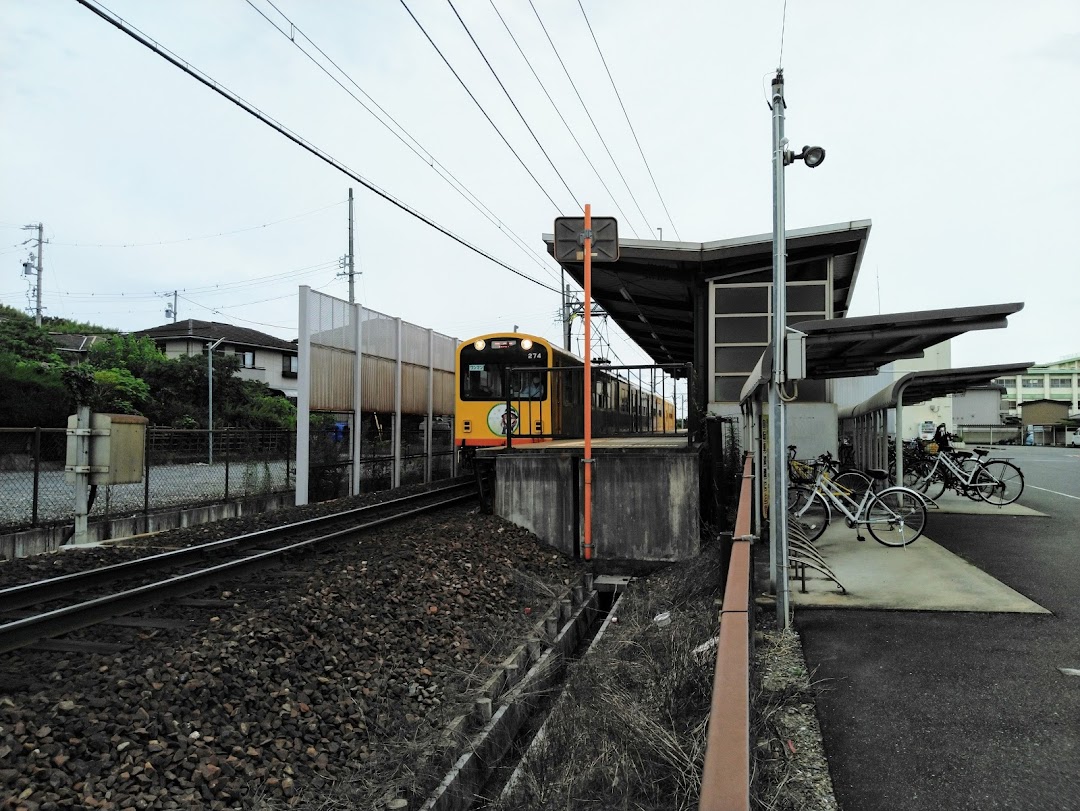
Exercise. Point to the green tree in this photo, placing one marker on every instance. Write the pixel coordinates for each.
(138, 355)
(19, 336)
(118, 391)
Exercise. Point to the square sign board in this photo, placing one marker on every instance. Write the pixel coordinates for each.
(570, 244)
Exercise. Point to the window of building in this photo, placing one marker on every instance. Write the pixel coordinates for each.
(289, 365)
(247, 360)
(1060, 383)
(1032, 383)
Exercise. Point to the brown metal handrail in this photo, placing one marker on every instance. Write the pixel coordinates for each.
(725, 779)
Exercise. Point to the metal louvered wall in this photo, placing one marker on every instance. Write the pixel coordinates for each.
(406, 370)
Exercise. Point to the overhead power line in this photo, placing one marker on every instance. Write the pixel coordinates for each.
(479, 106)
(587, 113)
(562, 118)
(221, 90)
(627, 115)
(404, 136)
(514, 105)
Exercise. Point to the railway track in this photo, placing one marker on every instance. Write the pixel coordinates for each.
(46, 609)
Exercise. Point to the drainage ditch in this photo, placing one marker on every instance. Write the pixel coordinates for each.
(507, 721)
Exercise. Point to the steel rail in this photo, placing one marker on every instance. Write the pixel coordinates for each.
(26, 631)
(41, 591)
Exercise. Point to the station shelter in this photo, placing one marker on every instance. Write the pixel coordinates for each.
(710, 305)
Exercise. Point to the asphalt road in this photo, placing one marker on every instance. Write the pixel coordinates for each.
(932, 711)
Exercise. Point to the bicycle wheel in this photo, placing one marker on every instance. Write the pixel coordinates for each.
(813, 515)
(933, 484)
(1006, 484)
(896, 516)
(974, 491)
(852, 484)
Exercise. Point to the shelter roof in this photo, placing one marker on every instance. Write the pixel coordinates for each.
(850, 347)
(649, 291)
(918, 387)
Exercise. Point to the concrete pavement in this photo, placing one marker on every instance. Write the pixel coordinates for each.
(946, 689)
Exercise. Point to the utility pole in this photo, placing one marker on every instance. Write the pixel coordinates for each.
(40, 248)
(170, 312)
(352, 265)
(346, 262)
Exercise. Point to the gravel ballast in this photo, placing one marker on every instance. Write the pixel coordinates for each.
(332, 678)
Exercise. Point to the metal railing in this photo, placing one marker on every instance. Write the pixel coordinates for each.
(624, 401)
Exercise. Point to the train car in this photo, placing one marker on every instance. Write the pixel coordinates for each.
(532, 389)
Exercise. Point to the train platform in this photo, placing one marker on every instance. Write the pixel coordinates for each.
(923, 576)
(645, 503)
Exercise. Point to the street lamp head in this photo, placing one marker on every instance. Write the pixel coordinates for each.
(812, 156)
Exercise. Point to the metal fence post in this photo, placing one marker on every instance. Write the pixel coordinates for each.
(225, 434)
(37, 473)
(146, 473)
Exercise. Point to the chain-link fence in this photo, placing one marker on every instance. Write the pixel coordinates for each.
(188, 468)
(182, 468)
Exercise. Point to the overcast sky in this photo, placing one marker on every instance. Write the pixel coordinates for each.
(951, 125)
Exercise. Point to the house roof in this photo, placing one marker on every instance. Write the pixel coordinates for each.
(72, 342)
(206, 331)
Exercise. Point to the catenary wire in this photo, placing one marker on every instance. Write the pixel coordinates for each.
(627, 115)
(513, 104)
(415, 147)
(221, 90)
(562, 118)
(477, 103)
(587, 113)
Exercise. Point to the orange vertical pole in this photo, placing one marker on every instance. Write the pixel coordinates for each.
(588, 382)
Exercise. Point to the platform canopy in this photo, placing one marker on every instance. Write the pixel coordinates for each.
(655, 290)
(918, 387)
(851, 347)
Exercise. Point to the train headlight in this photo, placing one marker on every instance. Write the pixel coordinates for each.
(480, 344)
(526, 344)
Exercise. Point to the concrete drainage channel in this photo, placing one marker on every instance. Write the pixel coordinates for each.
(506, 724)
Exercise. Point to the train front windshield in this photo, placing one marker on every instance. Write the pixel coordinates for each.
(484, 371)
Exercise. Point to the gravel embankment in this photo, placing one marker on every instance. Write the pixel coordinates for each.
(327, 682)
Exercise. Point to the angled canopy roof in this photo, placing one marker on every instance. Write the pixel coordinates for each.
(850, 347)
(649, 291)
(918, 387)
(858, 346)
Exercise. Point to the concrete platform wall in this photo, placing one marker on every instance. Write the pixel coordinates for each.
(646, 507)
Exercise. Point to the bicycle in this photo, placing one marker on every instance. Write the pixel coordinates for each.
(895, 516)
(995, 481)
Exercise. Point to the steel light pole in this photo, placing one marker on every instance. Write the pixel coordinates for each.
(777, 432)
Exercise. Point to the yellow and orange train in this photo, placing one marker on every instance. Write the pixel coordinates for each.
(526, 386)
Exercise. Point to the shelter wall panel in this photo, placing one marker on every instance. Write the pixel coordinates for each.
(378, 335)
(378, 384)
(331, 379)
(414, 344)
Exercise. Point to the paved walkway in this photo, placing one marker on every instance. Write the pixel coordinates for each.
(946, 689)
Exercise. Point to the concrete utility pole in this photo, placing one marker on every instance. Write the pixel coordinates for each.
(40, 248)
(170, 312)
(352, 265)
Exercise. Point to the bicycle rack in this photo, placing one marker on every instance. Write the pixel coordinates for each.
(804, 555)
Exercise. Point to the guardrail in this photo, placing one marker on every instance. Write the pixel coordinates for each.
(725, 779)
